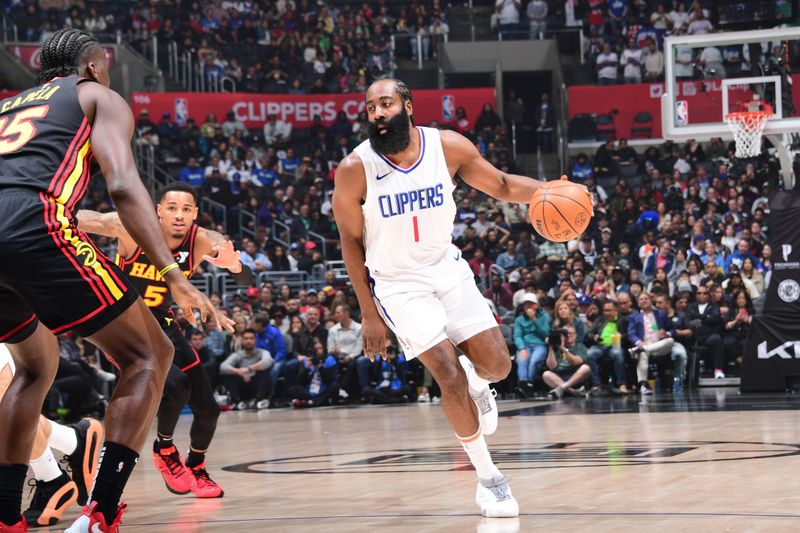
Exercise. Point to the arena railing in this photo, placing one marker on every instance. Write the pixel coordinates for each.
(281, 233)
(295, 279)
(205, 283)
(316, 237)
(404, 39)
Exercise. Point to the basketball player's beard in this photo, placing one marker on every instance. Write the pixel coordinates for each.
(395, 139)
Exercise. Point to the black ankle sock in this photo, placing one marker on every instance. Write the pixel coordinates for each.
(12, 479)
(116, 464)
(164, 442)
(195, 459)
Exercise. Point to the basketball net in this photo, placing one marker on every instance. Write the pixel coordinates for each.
(747, 127)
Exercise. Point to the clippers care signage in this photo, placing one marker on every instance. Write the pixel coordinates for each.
(299, 110)
(772, 351)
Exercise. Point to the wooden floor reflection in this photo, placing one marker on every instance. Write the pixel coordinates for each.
(715, 461)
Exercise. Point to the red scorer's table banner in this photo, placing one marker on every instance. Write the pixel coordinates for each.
(703, 98)
(299, 110)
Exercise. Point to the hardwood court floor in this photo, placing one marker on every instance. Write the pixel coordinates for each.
(712, 461)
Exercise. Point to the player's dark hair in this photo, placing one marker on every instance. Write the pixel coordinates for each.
(250, 330)
(402, 90)
(178, 186)
(63, 51)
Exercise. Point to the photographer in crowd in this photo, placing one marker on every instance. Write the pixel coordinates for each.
(566, 369)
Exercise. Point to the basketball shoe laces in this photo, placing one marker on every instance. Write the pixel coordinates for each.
(173, 461)
(483, 401)
(39, 499)
(202, 476)
(499, 488)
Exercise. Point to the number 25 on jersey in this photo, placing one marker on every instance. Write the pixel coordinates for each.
(17, 130)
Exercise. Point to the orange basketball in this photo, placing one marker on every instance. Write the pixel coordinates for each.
(560, 210)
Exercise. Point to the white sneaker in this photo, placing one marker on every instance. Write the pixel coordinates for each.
(343, 394)
(644, 391)
(262, 404)
(487, 405)
(719, 374)
(424, 398)
(241, 406)
(495, 499)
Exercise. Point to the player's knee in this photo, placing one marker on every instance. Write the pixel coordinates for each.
(495, 368)
(177, 387)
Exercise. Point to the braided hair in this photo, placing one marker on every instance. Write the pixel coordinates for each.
(63, 51)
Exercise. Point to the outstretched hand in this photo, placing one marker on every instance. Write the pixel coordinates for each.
(189, 298)
(226, 257)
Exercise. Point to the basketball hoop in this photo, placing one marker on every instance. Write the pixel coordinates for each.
(747, 127)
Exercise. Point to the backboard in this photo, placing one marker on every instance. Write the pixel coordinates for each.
(708, 76)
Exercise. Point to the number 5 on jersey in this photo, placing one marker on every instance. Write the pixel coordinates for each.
(154, 296)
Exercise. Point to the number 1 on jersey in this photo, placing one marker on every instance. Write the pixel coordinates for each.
(416, 229)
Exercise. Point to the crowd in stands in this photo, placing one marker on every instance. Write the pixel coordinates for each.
(284, 46)
(670, 266)
(625, 43)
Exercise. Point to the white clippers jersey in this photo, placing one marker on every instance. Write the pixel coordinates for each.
(408, 213)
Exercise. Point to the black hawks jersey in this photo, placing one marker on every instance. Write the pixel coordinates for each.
(144, 274)
(44, 141)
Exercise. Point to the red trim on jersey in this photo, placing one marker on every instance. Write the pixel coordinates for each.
(90, 277)
(70, 158)
(111, 360)
(195, 363)
(65, 327)
(192, 236)
(416, 229)
(419, 157)
(20, 328)
(83, 182)
(106, 261)
(129, 261)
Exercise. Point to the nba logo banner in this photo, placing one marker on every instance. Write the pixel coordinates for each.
(681, 113)
(448, 108)
(181, 111)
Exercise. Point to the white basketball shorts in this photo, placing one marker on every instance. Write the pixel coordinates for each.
(431, 304)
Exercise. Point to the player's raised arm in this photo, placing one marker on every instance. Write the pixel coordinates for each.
(111, 135)
(464, 159)
(215, 249)
(105, 224)
(348, 194)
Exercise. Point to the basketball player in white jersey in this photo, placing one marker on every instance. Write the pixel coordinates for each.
(394, 207)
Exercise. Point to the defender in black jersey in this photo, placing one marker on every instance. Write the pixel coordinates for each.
(52, 277)
(187, 382)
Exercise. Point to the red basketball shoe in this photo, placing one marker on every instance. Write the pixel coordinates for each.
(92, 521)
(204, 486)
(176, 476)
(19, 527)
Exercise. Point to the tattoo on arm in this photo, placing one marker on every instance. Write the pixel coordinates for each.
(215, 237)
(107, 224)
